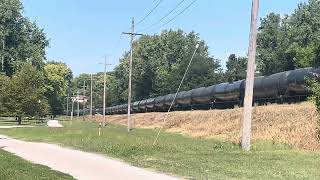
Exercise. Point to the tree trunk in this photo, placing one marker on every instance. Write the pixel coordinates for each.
(19, 120)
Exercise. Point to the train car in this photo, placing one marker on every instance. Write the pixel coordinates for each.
(135, 107)
(203, 95)
(297, 80)
(159, 103)
(142, 106)
(168, 99)
(277, 87)
(184, 99)
(150, 104)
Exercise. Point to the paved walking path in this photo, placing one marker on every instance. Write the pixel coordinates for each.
(79, 164)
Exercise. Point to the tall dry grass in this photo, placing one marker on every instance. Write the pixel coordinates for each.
(295, 124)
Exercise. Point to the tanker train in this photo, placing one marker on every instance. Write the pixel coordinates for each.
(288, 86)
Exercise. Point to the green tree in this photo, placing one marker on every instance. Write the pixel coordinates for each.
(21, 40)
(236, 68)
(159, 64)
(24, 95)
(291, 42)
(57, 79)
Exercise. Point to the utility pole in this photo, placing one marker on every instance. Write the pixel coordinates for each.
(72, 105)
(2, 57)
(247, 108)
(84, 102)
(78, 105)
(91, 95)
(132, 34)
(104, 90)
(67, 104)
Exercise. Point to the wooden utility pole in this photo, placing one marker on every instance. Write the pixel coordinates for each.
(247, 108)
(67, 105)
(78, 105)
(132, 34)
(91, 94)
(72, 99)
(2, 57)
(84, 102)
(104, 90)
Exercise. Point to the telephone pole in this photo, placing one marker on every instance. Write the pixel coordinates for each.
(72, 99)
(84, 95)
(67, 104)
(78, 105)
(104, 90)
(247, 108)
(2, 57)
(91, 94)
(132, 34)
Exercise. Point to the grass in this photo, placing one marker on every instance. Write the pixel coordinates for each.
(13, 167)
(294, 124)
(193, 158)
(10, 121)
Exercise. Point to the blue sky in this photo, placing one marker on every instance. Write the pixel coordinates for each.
(81, 32)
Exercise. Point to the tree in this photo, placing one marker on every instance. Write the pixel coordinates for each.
(159, 64)
(24, 94)
(57, 79)
(236, 68)
(291, 42)
(4, 81)
(23, 41)
(271, 46)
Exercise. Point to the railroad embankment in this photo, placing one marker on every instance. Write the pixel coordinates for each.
(294, 124)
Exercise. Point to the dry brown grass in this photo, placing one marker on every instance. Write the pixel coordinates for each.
(295, 125)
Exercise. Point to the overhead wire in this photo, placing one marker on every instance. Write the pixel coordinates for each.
(175, 96)
(166, 15)
(151, 11)
(170, 20)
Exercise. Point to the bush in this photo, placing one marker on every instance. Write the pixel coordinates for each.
(314, 87)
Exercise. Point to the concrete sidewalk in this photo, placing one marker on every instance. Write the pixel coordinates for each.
(79, 164)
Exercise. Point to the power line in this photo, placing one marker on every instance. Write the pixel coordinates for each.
(149, 12)
(167, 22)
(159, 21)
(175, 96)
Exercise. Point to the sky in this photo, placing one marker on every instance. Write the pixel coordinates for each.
(83, 32)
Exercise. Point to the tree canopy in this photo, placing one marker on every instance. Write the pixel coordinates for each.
(20, 39)
(290, 42)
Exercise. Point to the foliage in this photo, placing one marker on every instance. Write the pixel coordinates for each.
(57, 79)
(13, 167)
(24, 93)
(159, 64)
(290, 42)
(236, 68)
(191, 158)
(314, 87)
(21, 40)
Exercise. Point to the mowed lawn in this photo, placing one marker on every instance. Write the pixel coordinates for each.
(13, 167)
(192, 158)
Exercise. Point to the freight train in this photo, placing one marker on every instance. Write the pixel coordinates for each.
(288, 86)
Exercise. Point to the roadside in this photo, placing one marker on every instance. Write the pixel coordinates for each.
(13, 167)
(192, 158)
(80, 165)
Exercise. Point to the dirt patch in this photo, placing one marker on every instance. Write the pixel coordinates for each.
(294, 124)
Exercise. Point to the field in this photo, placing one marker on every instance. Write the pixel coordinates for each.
(295, 124)
(12, 167)
(175, 154)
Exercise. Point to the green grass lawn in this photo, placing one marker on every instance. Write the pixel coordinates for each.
(179, 155)
(13, 167)
(10, 121)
